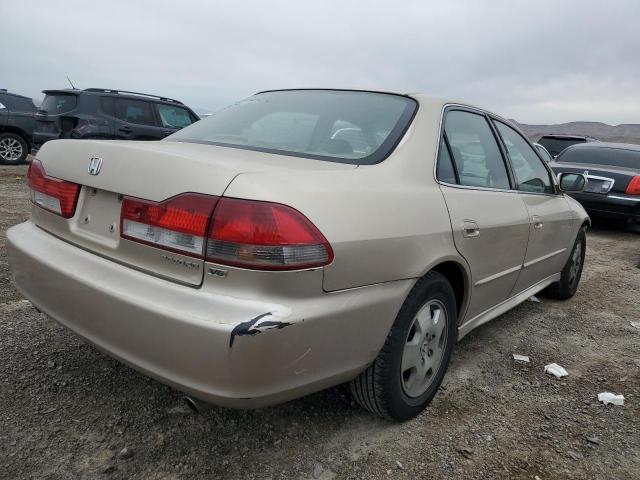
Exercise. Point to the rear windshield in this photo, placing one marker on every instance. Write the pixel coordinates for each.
(340, 126)
(615, 157)
(556, 145)
(59, 103)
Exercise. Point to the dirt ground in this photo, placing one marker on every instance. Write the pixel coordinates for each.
(68, 411)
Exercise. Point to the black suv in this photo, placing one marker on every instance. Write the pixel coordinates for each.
(101, 113)
(17, 119)
(555, 143)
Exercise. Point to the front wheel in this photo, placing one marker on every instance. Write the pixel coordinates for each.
(570, 276)
(406, 375)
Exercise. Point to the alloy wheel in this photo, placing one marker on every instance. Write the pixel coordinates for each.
(10, 149)
(424, 348)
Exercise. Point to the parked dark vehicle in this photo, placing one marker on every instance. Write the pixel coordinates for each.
(555, 144)
(613, 187)
(17, 120)
(100, 113)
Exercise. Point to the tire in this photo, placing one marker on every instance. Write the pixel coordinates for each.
(13, 149)
(420, 343)
(567, 286)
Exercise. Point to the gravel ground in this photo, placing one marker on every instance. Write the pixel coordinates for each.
(68, 411)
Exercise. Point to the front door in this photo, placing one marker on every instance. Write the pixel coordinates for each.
(550, 217)
(489, 220)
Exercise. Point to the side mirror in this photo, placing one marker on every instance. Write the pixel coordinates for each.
(572, 182)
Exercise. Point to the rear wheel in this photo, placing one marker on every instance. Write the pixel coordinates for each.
(411, 365)
(13, 148)
(567, 286)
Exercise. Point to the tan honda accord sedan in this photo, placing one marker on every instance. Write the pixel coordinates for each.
(296, 240)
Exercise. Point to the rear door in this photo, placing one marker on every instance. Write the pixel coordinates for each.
(489, 220)
(173, 117)
(551, 219)
(136, 120)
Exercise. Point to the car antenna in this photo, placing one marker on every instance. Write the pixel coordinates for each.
(71, 83)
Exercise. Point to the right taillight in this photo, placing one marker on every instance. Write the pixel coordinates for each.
(264, 236)
(634, 186)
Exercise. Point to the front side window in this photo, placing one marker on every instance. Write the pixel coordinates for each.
(134, 111)
(174, 117)
(59, 103)
(475, 151)
(341, 126)
(531, 175)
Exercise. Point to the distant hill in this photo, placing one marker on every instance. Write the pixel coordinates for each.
(625, 133)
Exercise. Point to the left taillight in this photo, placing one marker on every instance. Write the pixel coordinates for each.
(52, 194)
(179, 224)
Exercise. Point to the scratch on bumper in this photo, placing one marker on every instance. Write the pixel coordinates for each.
(252, 327)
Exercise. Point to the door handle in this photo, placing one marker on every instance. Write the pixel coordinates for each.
(470, 229)
(537, 221)
(125, 129)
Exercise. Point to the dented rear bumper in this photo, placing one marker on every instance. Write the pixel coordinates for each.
(223, 343)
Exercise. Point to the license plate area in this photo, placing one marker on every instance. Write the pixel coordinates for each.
(99, 216)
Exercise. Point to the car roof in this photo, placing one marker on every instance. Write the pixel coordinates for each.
(610, 145)
(4, 91)
(114, 93)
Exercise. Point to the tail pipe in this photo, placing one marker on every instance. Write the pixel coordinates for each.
(198, 406)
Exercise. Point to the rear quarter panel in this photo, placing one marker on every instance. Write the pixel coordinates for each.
(385, 222)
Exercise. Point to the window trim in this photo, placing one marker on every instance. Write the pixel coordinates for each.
(552, 177)
(477, 111)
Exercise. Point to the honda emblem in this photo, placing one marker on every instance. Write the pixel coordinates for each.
(94, 165)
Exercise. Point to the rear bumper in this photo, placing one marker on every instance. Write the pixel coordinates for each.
(182, 336)
(613, 205)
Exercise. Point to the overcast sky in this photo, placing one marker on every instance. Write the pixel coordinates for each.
(535, 61)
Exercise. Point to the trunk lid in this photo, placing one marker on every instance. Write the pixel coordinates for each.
(152, 171)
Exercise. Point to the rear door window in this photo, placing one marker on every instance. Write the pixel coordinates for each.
(134, 111)
(59, 103)
(531, 174)
(475, 151)
(174, 117)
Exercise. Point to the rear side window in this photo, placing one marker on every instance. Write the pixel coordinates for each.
(615, 157)
(174, 117)
(59, 103)
(17, 104)
(475, 151)
(444, 169)
(106, 103)
(531, 175)
(134, 111)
